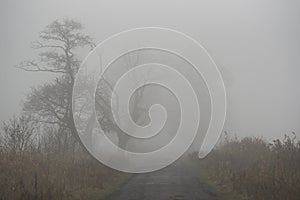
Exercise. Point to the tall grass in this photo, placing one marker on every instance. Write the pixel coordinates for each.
(54, 169)
(36, 176)
(257, 169)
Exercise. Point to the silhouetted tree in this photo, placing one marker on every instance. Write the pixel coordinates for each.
(58, 43)
(52, 102)
(18, 133)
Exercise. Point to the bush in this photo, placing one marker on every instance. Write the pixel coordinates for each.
(52, 167)
(257, 169)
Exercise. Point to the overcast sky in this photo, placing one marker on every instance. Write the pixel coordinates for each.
(255, 43)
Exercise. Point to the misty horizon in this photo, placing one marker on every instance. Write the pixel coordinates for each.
(257, 59)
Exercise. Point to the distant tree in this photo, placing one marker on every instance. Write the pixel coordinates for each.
(105, 107)
(58, 43)
(52, 102)
(18, 133)
(103, 103)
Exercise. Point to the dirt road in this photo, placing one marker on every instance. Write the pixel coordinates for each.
(173, 183)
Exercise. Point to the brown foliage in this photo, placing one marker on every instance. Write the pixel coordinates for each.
(257, 169)
(55, 167)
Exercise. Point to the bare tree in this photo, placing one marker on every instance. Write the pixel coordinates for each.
(57, 45)
(52, 102)
(18, 133)
(104, 94)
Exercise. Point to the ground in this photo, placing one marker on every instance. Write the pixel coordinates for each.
(177, 182)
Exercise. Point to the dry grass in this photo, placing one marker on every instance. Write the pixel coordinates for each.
(256, 169)
(32, 175)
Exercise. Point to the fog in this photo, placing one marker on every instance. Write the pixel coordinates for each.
(255, 44)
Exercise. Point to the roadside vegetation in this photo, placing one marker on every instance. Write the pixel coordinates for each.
(49, 166)
(251, 168)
